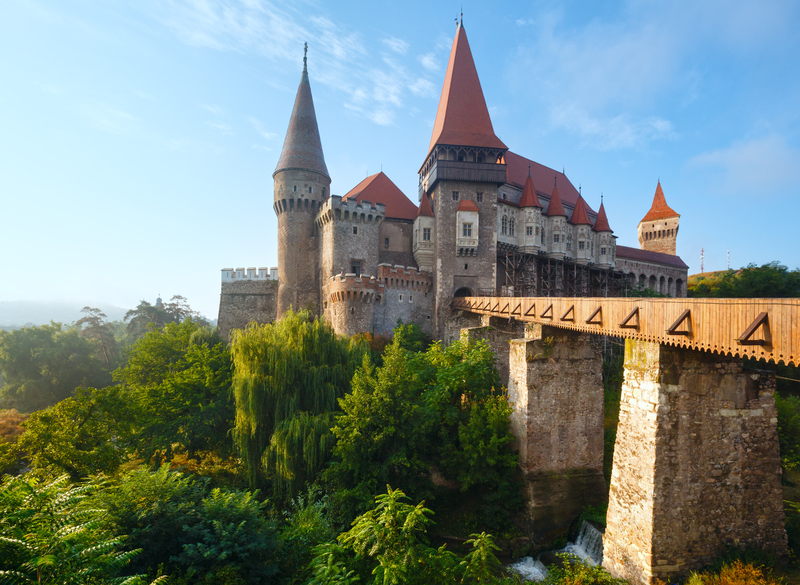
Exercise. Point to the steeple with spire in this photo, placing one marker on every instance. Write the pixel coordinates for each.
(301, 185)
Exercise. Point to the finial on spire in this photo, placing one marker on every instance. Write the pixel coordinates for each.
(555, 179)
(462, 15)
(529, 170)
(580, 191)
(601, 197)
(305, 57)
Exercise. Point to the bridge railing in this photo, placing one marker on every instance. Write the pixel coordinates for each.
(759, 328)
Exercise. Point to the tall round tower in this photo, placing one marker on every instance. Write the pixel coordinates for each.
(301, 185)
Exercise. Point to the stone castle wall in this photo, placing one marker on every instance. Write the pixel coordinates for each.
(407, 296)
(659, 235)
(696, 464)
(243, 301)
(349, 233)
(666, 280)
(400, 236)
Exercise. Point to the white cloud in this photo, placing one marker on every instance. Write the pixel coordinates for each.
(766, 166)
(525, 21)
(260, 128)
(423, 88)
(396, 45)
(429, 61)
(224, 128)
(216, 110)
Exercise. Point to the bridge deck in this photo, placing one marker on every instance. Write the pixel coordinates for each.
(760, 328)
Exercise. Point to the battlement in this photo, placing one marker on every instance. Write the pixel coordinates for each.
(335, 208)
(351, 287)
(405, 277)
(240, 274)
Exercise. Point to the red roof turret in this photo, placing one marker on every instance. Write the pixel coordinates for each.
(659, 209)
(379, 188)
(425, 207)
(555, 207)
(463, 118)
(529, 197)
(601, 225)
(579, 216)
(302, 147)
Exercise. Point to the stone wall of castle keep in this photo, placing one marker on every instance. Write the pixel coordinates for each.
(244, 301)
(696, 464)
(555, 386)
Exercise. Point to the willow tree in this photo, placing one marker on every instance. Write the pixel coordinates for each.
(288, 378)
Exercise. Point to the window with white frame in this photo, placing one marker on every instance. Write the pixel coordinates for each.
(556, 238)
(504, 226)
(426, 234)
(529, 230)
(467, 230)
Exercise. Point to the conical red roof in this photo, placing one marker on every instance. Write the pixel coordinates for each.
(379, 188)
(579, 216)
(529, 197)
(555, 207)
(601, 225)
(463, 118)
(659, 209)
(302, 147)
(425, 207)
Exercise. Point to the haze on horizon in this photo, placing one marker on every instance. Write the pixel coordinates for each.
(140, 138)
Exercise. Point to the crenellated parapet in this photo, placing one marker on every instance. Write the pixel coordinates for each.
(354, 288)
(336, 209)
(241, 274)
(405, 278)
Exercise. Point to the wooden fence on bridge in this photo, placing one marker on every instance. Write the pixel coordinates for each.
(759, 328)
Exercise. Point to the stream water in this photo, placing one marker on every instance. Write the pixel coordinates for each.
(588, 547)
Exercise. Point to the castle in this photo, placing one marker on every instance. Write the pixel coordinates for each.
(488, 222)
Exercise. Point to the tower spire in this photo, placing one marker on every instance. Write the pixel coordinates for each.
(302, 147)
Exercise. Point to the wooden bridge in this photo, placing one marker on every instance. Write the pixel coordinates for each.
(759, 328)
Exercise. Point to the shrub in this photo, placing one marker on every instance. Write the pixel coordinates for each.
(735, 573)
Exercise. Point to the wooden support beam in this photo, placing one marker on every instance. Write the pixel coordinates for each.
(566, 316)
(598, 312)
(626, 321)
(545, 315)
(518, 309)
(685, 316)
(744, 338)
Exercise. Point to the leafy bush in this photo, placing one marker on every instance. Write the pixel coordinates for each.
(306, 526)
(735, 573)
(49, 535)
(573, 571)
(186, 528)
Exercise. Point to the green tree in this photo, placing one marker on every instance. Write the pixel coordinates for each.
(771, 280)
(93, 326)
(45, 364)
(178, 380)
(48, 535)
(196, 534)
(82, 435)
(422, 413)
(288, 378)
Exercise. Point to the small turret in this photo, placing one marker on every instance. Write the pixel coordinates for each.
(658, 230)
(424, 235)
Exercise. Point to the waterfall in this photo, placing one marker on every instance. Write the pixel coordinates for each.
(589, 545)
(530, 569)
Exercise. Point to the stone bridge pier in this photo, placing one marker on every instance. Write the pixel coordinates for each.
(696, 464)
(555, 384)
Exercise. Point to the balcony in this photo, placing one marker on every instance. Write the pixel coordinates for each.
(451, 170)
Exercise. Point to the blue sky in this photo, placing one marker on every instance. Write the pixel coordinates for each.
(139, 138)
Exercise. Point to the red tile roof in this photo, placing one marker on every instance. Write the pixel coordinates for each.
(659, 209)
(555, 207)
(601, 225)
(302, 147)
(579, 216)
(518, 174)
(529, 198)
(624, 252)
(467, 205)
(425, 207)
(463, 118)
(379, 188)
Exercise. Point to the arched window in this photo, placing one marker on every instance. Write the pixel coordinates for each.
(512, 223)
(504, 224)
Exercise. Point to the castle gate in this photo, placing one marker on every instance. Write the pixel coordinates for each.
(696, 464)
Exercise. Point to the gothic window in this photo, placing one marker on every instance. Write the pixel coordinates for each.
(355, 229)
(581, 245)
(512, 223)
(467, 230)
(529, 230)
(479, 197)
(569, 243)
(455, 195)
(426, 234)
(504, 223)
(555, 238)
(602, 251)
